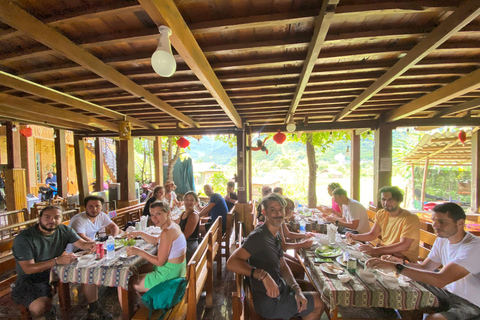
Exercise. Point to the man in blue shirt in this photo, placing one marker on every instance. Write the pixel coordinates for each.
(215, 207)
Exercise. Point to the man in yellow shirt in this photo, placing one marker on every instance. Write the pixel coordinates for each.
(397, 229)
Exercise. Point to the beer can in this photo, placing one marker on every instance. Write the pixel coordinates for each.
(100, 251)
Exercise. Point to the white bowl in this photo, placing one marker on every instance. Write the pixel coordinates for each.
(390, 282)
(344, 278)
(86, 258)
(367, 276)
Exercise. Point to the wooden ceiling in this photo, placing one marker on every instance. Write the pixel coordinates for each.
(327, 64)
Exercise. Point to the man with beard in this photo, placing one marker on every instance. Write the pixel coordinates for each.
(457, 284)
(87, 224)
(397, 229)
(216, 207)
(276, 293)
(36, 250)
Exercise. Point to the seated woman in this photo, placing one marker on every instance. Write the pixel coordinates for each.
(170, 195)
(189, 222)
(335, 209)
(169, 262)
(158, 195)
(285, 234)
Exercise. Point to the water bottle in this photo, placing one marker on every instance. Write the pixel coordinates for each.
(302, 226)
(110, 248)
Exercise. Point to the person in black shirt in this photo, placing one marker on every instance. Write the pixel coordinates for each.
(189, 223)
(158, 195)
(231, 197)
(276, 294)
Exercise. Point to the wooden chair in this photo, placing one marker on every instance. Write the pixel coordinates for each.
(427, 239)
(199, 275)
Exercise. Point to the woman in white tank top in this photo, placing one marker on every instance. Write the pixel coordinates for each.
(169, 262)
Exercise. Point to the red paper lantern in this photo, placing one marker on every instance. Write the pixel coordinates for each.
(27, 132)
(183, 143)
(462, 136)
(279, 137)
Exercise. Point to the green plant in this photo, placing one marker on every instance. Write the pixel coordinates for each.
(218, 181)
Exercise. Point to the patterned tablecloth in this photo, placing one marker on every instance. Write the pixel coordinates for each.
(357, 293)
(112, 273)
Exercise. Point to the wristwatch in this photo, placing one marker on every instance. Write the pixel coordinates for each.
(399, 268)
(336, 223)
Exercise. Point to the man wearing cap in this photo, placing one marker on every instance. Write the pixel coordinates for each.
(216, 207)
(170, 194)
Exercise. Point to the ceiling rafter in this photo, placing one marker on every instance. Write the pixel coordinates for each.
(458, 108)
(19, 19)
(166, 13)
(455, 89)
(468, 11)
(42, 109)
(322, 24)
(18, 83)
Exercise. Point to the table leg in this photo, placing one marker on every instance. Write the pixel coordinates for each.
(334, 313)
(127, 308)
(64, 299)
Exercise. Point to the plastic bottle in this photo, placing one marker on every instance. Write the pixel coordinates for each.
(110, 248)
(302, 226)
(351, 264)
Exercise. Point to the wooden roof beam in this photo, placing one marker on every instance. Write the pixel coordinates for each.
(467, 12)
(18, 83)
(322, 24)
(166, 13)
(42, 109)
(472, 104)
(457, 88)
(19, 19)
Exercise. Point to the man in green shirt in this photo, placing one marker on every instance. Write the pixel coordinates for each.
(36, 251)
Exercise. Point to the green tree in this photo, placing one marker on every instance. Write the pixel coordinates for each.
(218, 182)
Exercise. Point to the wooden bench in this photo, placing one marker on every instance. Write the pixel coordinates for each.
(199, 276)
(227, 243)
(238, 296)
(131, 213)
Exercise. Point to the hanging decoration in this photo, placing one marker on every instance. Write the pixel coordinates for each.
(260, 146)
(462, 135)
(124, 130)
(183, 143)
(279, 137)
(27, 132)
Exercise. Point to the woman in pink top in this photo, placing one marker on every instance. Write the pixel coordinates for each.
(336, 210)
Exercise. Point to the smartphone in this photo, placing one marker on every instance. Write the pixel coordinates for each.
(321, 260)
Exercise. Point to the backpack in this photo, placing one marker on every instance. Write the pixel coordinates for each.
(165, 295)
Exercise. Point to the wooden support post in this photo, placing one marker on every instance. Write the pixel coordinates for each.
(413, 186)
(355, 166)
(61, 163)
(382, 161)
(79, 146)
(249, 168)
(158, 161)
(126, 173)
(424, 182)
(15, 187)
(241, 166)
(475, 195)
(27, 147)
(99, 159)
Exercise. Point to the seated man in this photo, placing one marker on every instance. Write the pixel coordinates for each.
(457, 284)
(355, 216)
(398, 229)
(276, 294)
(36, 250)
(87, 224)
(215, 207)
(231, 198)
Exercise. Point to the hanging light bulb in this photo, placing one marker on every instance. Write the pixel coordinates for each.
(291, 125)
(54, 135)
(347, 153)
(14, 128)
(163, 61)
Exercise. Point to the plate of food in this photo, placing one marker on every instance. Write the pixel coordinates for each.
(340, 260)
(331, 268)
(328, 251)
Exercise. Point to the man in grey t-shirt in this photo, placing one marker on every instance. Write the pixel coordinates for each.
(36, 251)
(276, 294)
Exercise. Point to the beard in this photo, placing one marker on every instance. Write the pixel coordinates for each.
(44, 227)
(92, 215)
(391, 209)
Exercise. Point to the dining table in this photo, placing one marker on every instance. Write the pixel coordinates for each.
(409, 297)
(114, 272)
